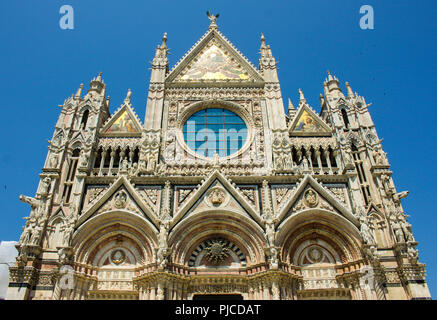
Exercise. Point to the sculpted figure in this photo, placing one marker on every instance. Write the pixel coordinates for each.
(311, 198)
(347, 155)
(36, 235)
(120, 200)
(406, 229)
(68, 234)
(273, 258)
(379, 156)
(27, 231)
(412, 253)
(366, 233)
(124, 164)
(397, 229)
(54, 161)
(287, 162)
(134, 169)
(57, 141)
(45, 186)
(161, 254)
(21, 259)
(305, 163)
(34, 203)
(83, 159)
(270, 230)
(151, 163)
(163, 233)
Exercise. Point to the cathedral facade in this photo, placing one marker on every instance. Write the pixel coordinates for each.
(218, 192)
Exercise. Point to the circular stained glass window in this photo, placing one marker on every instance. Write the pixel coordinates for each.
(215, 130)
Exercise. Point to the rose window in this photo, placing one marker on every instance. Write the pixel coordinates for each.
(215, 131)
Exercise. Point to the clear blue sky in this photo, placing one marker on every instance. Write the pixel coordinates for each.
(392, 66)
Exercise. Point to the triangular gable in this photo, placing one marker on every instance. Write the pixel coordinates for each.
(59, 214)
(224, 201)
(115, 187)
(77, 137)
(204, 187)
(308, 180)
(308, 123)
(214, 59)
(123, 123)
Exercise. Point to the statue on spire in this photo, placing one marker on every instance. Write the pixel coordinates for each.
(213, 18)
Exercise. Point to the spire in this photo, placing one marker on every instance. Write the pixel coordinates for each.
(97, 84)
(128, 95)
(302, 97)
(79, 91)
(161, 52)
(265, 49)
(322, 100)
(164, 41)
(331, 84)
(349, 90)
(263, 41)
(290, 105)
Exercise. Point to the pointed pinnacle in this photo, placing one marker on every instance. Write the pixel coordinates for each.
(79, 91)
(349, 90)
(302, 97)
(263, 40)
(164, 39)
(290, 105)
(128, 96)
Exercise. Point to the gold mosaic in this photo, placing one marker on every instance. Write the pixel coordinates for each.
(214, 64)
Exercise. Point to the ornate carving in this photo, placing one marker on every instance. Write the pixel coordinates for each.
(311, 198)
(217, 251)
(120, 199)
(392, 277)
(118, 256)
(216, 197)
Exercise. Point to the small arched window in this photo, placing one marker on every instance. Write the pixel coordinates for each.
(84, 119)
(69, 178)
(345, 118)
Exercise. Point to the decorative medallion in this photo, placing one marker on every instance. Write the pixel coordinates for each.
(118, 256)
(310, 198)
(315, 255)
(217, 251)
(216, 197)
(120, 199)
